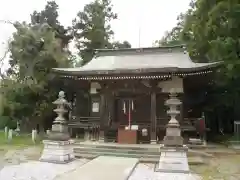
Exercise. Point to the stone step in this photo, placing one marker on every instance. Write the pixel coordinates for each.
(191, 160)
(141, 153)
(118, 154)
(125, 150)
(85, 156)
(119, 146)
(136, 146)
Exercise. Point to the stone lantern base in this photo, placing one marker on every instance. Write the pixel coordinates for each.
(173, 160)
(59, 152)
(173, 136)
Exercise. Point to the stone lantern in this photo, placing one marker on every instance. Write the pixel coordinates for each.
(58, 146)
(173, 133)
(173, 157)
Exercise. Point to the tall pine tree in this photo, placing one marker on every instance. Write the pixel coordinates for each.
(92, 29)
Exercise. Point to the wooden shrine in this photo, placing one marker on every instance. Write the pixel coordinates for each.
(118, 96)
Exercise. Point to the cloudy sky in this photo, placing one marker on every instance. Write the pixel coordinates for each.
(153, 17)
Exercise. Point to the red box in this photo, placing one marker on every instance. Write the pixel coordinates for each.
(127, 136)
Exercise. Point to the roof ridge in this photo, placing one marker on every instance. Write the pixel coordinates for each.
(107, 52)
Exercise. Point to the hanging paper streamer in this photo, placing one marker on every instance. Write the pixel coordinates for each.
(132, 105)
(109, 118)
(124, 107)
(129, 114)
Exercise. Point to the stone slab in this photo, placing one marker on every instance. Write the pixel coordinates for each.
(103, 168)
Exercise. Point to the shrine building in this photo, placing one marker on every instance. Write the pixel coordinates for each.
(120, 95)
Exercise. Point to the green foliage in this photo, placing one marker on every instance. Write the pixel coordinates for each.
(50, 16)
(92, 29)
(119, 45)
(6, 121)
(28, 89)
(36, 48)
(210, 31)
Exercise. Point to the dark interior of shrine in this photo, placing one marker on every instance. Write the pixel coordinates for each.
(129, 101)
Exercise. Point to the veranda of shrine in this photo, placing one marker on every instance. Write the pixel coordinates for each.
(119, 96)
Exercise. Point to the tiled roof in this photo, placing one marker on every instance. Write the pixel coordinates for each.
(162, 59)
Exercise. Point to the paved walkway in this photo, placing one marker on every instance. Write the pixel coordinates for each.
(103, 168)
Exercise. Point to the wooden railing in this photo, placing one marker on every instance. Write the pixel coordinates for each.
(161, 122)
(84, 121)
(91, 125)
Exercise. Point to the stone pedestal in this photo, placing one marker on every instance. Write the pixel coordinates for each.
(173, 135)
(59, 152)
(173, 160)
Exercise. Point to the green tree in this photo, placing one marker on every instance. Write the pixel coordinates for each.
(34, 51)
(50, 16)
(92, 29)
(36, 48)
(121, 45)
(210, 31)
(173, 37)
(214, 36)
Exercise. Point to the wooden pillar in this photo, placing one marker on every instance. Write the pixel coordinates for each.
(102, 117)
(153, 118)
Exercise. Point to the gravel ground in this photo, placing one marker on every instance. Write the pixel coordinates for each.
(225, 167)
(23, 164)
(146, 172)
(17, 156)
(35, 170)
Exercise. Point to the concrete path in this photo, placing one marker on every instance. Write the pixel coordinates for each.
(103, 168)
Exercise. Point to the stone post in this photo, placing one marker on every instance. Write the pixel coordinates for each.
(17, 130)
(10, 135)
(47, 131)
(58, 148)
(34, 135)
(6, 132)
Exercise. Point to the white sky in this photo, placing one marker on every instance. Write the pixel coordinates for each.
(154, 17)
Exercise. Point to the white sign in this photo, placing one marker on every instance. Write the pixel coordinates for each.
(95, 107)
(134, 127)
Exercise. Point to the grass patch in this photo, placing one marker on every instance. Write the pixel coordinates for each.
(20, 141)
(220, 167)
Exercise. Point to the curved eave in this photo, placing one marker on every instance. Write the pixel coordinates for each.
(165, 70)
